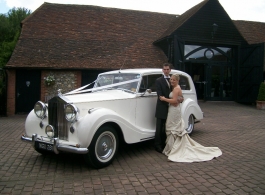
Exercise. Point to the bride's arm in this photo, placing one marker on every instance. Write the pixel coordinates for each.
(180, 96)
(174, 99)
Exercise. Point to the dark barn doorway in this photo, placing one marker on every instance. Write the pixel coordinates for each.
(211, 71)
(197, 73)
(213, 81)
(27, 90)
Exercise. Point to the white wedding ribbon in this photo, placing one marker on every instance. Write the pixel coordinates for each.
(79, 90)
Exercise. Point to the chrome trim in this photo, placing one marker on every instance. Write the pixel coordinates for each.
(147, 138)
(72, 149)
(57, 147)
(34, 137)
(59, 92)
(26, 139)
(93, 109)
(43, 110)
(56, 118)
(65, 99)
(51, 130)
(74, 111)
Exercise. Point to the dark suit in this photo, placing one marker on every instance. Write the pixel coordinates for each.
(162, 89)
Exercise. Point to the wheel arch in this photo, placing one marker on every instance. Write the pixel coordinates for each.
(188, 108)
(117, 128)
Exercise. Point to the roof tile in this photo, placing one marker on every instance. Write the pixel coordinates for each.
(90, 37)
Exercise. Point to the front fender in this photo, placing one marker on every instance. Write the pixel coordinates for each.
(91, 122)
(190, 107)
(35, 125)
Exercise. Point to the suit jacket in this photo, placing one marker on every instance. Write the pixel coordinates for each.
(162, 89)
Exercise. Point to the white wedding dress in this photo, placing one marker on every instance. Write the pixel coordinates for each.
(179, 146)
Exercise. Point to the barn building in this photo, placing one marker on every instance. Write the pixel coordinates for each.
(73, 43)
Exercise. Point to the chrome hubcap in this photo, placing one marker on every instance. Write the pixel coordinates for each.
(190, 124)
(105, 146)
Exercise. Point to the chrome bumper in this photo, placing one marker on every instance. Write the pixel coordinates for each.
(56, 145)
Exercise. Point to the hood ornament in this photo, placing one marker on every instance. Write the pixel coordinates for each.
(59, 92)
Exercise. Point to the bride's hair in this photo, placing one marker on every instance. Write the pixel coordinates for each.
(176, 76)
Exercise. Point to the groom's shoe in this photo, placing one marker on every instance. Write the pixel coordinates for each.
(159, 149)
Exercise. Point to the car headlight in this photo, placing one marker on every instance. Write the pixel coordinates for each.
(49, 130)
(40, 109)
(71, 112)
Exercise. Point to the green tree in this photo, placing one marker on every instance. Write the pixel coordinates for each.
(4, 33)
(10, 29)
(261, 94)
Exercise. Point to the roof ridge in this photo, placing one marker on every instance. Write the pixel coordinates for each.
(180, 20)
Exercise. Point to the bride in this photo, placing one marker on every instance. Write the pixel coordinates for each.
(179, 146)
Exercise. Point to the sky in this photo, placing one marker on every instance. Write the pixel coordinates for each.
(250, 10)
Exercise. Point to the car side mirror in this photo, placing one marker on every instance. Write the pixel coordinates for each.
(148, 91)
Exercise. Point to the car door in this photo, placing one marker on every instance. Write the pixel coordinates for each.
(146, 103)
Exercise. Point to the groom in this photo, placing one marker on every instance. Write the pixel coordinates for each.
(163, 88)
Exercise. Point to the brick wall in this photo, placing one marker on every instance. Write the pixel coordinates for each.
(11, 92)
(64, 80)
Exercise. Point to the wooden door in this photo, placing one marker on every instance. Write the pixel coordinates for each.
(27, 90)
(250, 73)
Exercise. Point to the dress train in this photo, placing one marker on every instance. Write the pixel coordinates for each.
(179, 146)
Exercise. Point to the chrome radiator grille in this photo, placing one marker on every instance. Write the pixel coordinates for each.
(57, 118)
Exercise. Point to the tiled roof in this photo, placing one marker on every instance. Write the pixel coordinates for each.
(253, 32)
(90, 37)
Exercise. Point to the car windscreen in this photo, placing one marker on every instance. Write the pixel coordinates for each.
(126, 80)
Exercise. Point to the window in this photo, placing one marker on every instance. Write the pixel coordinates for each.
(108, 79)
(196, 52)
(129, 82)
(148, 82)
(184, 83)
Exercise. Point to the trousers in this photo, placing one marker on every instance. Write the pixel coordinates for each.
(160, 134)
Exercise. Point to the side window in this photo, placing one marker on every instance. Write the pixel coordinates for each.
(148, 82)
(184, 83)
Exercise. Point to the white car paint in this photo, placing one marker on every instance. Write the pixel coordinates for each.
(133, 113)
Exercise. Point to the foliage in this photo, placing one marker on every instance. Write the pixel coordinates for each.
(49, 80)
(261, 94)
(6, 50)
(10, 28)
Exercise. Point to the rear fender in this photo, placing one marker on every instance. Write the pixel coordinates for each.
(189, 107)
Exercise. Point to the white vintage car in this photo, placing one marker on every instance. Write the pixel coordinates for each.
(120, 107)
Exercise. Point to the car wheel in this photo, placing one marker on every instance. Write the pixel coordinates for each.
(103, 147)
(191, 122)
